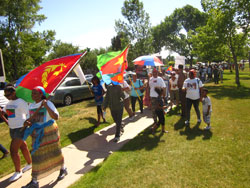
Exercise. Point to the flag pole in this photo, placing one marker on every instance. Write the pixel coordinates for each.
(89, 87)
(134, 88)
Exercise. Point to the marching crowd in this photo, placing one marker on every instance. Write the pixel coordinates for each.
(184, 88)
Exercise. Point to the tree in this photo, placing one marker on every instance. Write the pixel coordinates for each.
(22, 48)
(206, 46)
(136, 30)
(61, 49)
(176, 30)
(230, 20)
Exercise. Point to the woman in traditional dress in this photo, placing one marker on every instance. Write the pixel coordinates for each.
(46, 154)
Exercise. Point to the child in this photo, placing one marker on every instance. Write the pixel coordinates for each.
(98, 93)
(159, 111)
(174, 90)
(206, 108)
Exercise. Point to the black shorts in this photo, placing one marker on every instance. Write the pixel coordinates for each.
(16, 133)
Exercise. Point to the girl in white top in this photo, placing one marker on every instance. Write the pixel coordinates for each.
(16, 110)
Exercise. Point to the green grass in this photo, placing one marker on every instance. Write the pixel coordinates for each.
(187, 157)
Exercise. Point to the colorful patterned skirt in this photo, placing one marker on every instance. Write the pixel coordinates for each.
(48, 158)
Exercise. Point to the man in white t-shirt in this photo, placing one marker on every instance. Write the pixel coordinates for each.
(193, 88)
(155, 81)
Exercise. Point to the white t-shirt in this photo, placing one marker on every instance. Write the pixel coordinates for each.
(173, 84)
(125, 85)
(17, 111)
(43, 115)
(205, 103)
(193, 88)
(155, 82)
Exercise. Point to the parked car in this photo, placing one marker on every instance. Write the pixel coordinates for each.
(70, 91)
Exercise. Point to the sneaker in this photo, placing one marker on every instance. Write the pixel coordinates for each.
(31, 184)
(207, 128)
(15, 176)
(187, 122)
(27, 167)
(199, 121)
(117, 139)
(62, 174)
(131, 118)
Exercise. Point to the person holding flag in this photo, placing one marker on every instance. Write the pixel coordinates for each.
(46, 154)
(114, 99)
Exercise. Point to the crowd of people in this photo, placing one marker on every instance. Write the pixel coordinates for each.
(183, 88)
(160, 90)
(210, 72)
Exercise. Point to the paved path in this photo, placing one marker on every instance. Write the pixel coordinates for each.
(85, 154)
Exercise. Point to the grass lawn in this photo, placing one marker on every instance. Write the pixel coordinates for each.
(187, 157)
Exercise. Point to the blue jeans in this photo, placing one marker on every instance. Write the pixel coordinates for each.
(189, 103)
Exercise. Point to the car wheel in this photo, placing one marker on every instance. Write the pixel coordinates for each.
(68, 100)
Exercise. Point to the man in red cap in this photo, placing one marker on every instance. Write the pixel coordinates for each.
(193, 88)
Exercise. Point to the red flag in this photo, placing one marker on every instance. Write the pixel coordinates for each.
(48, 75)
(116, 64)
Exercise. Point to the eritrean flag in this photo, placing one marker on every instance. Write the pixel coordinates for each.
(112, 65)
(10, 113)
(49, 75)
(169, 69)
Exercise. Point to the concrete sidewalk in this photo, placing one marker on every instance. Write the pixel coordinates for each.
(85, 154)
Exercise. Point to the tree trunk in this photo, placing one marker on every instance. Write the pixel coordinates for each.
(237, 78)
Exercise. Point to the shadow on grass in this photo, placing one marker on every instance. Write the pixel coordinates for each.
(144, 140)
(192, 133)
(229, 91)
(75, 136)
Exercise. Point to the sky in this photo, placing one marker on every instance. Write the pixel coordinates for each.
(91, 23)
